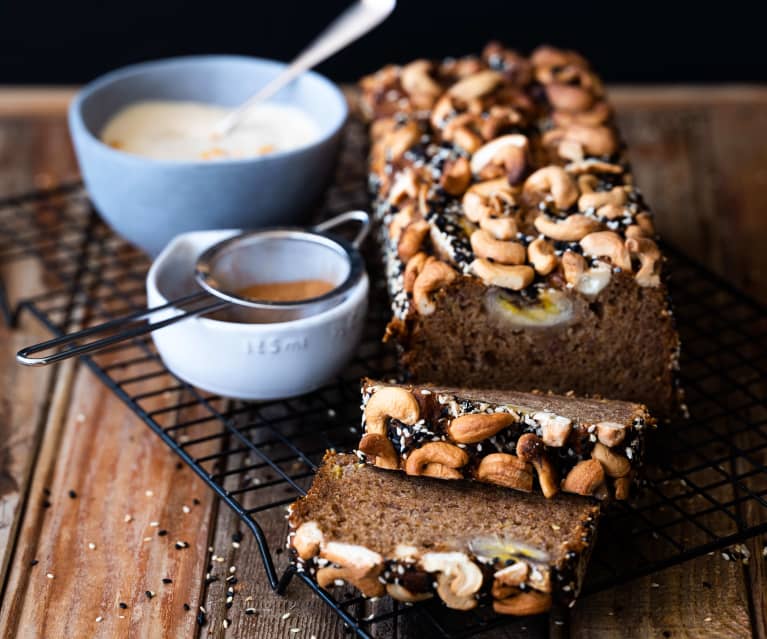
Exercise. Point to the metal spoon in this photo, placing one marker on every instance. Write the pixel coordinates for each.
(353, 23)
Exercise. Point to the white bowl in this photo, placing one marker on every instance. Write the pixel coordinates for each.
(246, 360)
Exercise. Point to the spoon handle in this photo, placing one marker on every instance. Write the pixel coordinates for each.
(129, 326)
(353, 23)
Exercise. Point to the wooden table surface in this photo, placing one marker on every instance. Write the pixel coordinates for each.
(85, 487)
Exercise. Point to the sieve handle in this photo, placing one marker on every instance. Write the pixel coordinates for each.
(69, 345)
(350, 216)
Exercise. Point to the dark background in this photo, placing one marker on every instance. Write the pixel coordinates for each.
(627, 40)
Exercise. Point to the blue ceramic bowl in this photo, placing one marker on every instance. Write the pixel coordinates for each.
(150, 201)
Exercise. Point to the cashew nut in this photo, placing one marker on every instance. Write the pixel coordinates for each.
(443, 109)
(419, 84)
(485, 198)
(380, 449)
(504, 252)
(474, 427)
(498, 119)
(592, 165)
(610, 433)
(476, 85)
(555, 429)
(434, 276)
(573, 267)
(493, 152)
(411, 239)
(607, 244)
(606, 203)
(614, 465)
(400, 140)
(530, 449)
(585, 478)
(440, 453)
(405, 186)
(571, 229)
(649, 260)
(458, 580)
(553, 180)
(513, 576)
(413, 267)
(568, 97)
(400, 593)
(359, 566)
(308, 539)
(622, 488)
(515, 278)
(456, 176)
(525, 603)
(541, 255)
(598, 114)
(390, 402)
(401, 220)
(465, 138)
(506, 470)
(595, 140)
(501, 228)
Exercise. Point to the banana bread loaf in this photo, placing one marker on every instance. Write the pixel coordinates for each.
(519, 253)
(414, 537)
(529, 442)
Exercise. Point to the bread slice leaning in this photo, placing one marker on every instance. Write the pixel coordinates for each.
(416, 538)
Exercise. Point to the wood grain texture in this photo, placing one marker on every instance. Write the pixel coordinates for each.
(709, 193)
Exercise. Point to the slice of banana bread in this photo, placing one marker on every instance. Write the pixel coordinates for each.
(519, 253)
(530, 442)
(414, 537)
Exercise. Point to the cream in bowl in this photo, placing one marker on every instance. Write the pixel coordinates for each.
(185, 131)
(260, 349)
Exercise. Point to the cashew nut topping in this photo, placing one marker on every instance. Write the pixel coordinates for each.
(592, 165)
(474, 427)
(541, 255)
(504, 252)
(501, 228)
(570, 229)
(400, 140)
(506, 470)
(606, 203)
(359, 566)
(649, 260)
(434, 276)
(567, 97)
(514, 575)
(411, 239)
(405, 186)
(573, 267)
(456, 176)
(413, 267)
(458, 580)
(401, 220)
(622, 488)
(598, 114)
(400, 593)
(554, 181)
(380, 449)
(515, 278)
(614, 465)
(390, 402)
(525, 603)
(476, 85)
(419, 84)
(493, 149)
(432, 453)
(595, 140)
(486, 198)
(308, 539)
(585, 478)
(530, 449)
(607, 244)
(555, 429)
(610, 433)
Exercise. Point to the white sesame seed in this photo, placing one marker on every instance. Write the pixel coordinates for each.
(49, 575)
(295, 630)
(99, 619)
(154, 524)
(92, 546)
(232, 568)
(149, 493)
(80, 417)
(127, 519)
(235, 544)
(286, 615)
(655, 585)
(225, 623)
(707, 619)
(146, 539)
(186, 509)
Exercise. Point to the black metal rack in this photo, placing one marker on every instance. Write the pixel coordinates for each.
(706, 484)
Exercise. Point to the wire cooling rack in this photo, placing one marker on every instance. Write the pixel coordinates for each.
(706, 480)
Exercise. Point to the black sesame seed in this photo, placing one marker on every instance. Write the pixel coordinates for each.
(237, 537)
(149, 594)
(187, 607)
(179, 465)
(250, 611)
(201, 618)
(34, 562)
(123, 605)
(231, 579)
(46, 503)
(167, 581)
(196, 501)
(72, 494)
(180, 545)
(162, 533)
(46, 491)
(211, 579)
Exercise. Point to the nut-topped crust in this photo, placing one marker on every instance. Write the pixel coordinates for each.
(517, 168)
(522, 441)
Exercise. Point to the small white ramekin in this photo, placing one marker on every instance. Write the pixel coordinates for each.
(246, 360)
